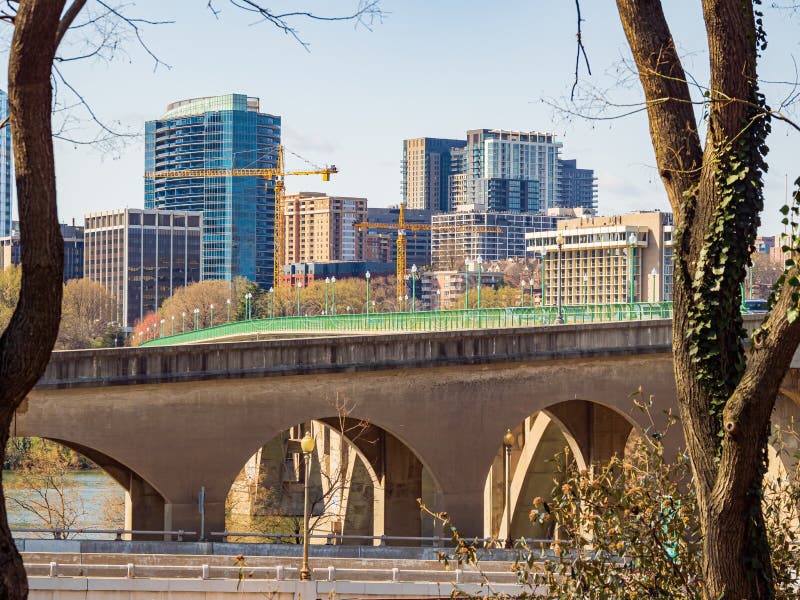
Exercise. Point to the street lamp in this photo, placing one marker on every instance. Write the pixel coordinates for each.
(327, 283)
(413, 288)
(438, 299)
(307, 446)
(162, 327)
(467, 264)
(271, 300)
(522, 293)
(654, 275)
(299, 287)
(585, 291)
(367, 276)
(211, 321)
(544, 274)
(632, 266)
(141, 333)
(531, 290)
(228, 302)
(560, 316)
(248, 297)
(196, 317)
(508, 442)
(183, 322)
(173, 325)
(479, 262)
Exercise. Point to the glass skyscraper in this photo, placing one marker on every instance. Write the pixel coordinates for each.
(5, 169)
(219, 132)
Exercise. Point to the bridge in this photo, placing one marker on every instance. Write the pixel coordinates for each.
(168, 420)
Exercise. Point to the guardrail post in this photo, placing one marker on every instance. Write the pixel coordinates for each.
(118, 536)
(130, 571)
(331, 573)
(53, 569)
(179, 537)
(279, 572)
(204, 572)
(382, 540)
(459, 575)
(395, 575)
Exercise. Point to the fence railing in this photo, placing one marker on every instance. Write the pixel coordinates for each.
(437, 320)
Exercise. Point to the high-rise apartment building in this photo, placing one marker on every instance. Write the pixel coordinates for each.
(142, 256)
(72, 235)
(577, 188)
(506, 171)
(426, 169)
(319, 228)
(5, 170)
(606, 260)
(220, 132)
(455, 238)
(382, 244)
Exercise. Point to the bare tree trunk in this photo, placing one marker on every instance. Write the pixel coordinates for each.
(725, 398)
(26, 344)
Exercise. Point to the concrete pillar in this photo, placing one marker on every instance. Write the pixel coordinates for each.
(402, 486)
(144, 507)
(186, 517)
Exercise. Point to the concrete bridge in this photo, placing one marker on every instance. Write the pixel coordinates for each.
(166, 421)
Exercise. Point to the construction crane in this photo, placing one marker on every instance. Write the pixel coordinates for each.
(277, 175)
(401, 226)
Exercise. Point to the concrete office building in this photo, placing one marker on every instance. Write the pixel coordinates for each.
(319, 228)
(10, 249)
(6, 161)
(426, 168)
(220, 132)
(142, 256)
(381, 244)
(606, 260)
(454, 236)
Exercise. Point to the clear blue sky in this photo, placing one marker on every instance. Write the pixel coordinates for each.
(433, 68)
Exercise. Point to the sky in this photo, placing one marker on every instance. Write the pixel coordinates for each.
(433, 68)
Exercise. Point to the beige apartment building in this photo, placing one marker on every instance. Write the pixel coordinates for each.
(606, 260)
(319, 228)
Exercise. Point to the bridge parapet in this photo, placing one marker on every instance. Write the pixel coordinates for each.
(172, 364)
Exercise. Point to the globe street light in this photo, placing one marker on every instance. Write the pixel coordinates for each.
(333, 295)
(413, 288)
(438, 300)
(307, 446)
(172, 331)
(196, 317)
(183, 322)
(228, 302)
(162, 327)
(654, 275)
(544, 275)
(327, 283)
(479, 262)
(560, 316)
(508, 442)
(271, 300)
(531, 286)
(299, 287)
(247, 300)
(367, 276)
(467, 264)
(211, 321)
(632, 266)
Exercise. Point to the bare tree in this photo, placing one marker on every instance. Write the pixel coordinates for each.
(39, 27)
(715, 190)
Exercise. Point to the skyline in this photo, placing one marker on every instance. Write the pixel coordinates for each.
(424, 72)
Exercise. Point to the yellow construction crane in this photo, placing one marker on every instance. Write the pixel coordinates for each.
(277, 175)
(401, 227)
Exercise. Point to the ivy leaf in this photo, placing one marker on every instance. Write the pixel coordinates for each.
(792, 314)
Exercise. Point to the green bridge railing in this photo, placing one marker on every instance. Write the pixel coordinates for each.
(438, 320)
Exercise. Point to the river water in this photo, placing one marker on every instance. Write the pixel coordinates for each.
(96, 500)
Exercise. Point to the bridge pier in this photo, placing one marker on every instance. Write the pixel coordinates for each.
(144, 507)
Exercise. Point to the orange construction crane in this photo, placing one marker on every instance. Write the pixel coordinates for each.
(401, 226)
(277, 175)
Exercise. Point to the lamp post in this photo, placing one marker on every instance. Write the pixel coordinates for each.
(141, 333)
(560, 315)
(413, 288)
(327, 283)
(367, 276)
(248, 297)
(531, 290)
(211, 308)
(438, 299)
(467, 264)
(173, 325)
(333, 295)
(299, 287)
(522, 293)
(271, 301)
(632, 267)
(585, 291)
(307, 446)
(162, 327)
(228, 303)
(183, 322)
(479, 262)
(544, 274)
(654, 275)
(508, 442)
(196, 318)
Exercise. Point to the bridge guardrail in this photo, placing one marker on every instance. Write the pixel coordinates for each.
(437, 320)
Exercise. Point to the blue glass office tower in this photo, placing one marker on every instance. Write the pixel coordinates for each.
(220, 132)
(5, 169)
